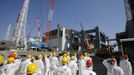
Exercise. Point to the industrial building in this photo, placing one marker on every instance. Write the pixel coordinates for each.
(68, 39)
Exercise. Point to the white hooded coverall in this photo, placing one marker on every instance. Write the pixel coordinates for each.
(126, 66)
(60, 64)
(75, 59)
(87, 58)
(18, 62)
(112, 69)
(81, 66)
(88, 71)
(10, 69)
(40, 64)
(2, 70)
(63, 70)
(73, 66)
(54, 64)
(23, 67)
(38, 72)
(47, 66)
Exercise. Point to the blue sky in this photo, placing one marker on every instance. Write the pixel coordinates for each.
(109, 15)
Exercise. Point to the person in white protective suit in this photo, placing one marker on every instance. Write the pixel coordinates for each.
(86, 57)
(1, 60)
(47, 65)
(53, 64)
(68, 55)
(126, 65)
(50, 56)
(112, 68)
(2, 70)
(75, 58)
(33, 69)
(23, 66)
(64, 55)
(73, 65)
(81, 64)
(89, 68)
(64, 69)
(17, 60)
(40, 64)
(10, 67)
(33, 59)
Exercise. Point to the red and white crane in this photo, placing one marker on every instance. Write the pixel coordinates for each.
(50, 15)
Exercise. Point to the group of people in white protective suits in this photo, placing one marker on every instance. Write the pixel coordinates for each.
(124, 68)
(50, 64)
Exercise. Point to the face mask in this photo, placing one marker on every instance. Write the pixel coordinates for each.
(90, 68)
(112, 63)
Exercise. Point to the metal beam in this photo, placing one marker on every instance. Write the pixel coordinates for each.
(90, 31)
(103, 43)
(111, 39)
(127, 40)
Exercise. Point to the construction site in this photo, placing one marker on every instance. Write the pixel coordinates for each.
(62, 39)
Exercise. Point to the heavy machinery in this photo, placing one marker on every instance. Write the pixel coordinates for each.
(86, 44)
(50, 15)
(19, 32)
(48, 26)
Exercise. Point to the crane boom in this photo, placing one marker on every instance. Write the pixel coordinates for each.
(50, 15)
(19, 33)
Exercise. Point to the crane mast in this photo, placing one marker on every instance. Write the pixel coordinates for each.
(50, 15)
(19, 34)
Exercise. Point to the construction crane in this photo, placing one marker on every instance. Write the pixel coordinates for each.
(13, 33)
(8, 32)
(19, 33)
(31, 28)
(50, 15)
